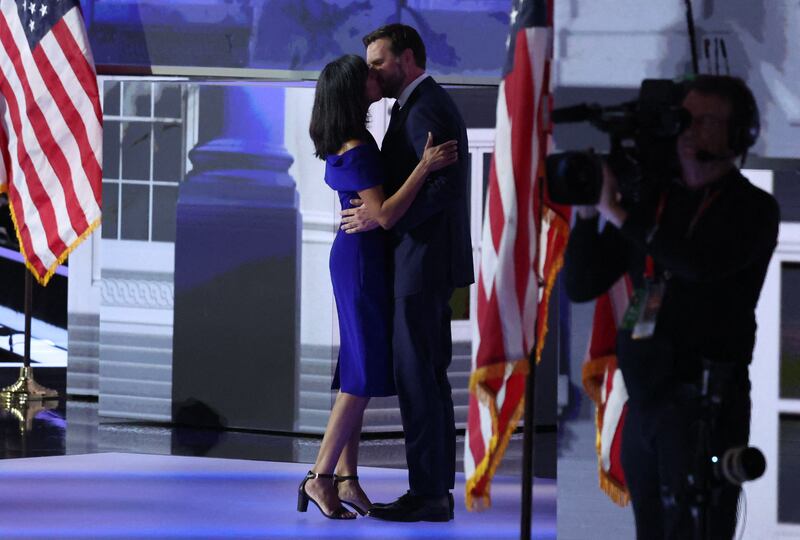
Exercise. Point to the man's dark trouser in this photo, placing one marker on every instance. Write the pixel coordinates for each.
(658, 449)
(422, 347)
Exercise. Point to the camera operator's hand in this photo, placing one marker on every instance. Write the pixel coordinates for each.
(609, 204)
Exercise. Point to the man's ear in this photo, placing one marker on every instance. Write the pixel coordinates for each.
(408, 58)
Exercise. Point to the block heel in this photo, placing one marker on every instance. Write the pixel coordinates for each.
(303, 499)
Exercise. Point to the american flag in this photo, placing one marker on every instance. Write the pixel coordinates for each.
(521, 250)
(603, 381)
(50, 129)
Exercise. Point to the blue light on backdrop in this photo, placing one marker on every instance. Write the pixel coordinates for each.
(465, 38)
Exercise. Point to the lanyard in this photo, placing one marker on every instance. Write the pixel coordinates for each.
(708, 198)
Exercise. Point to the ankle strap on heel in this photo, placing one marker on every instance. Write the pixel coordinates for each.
(337, 478)
(312, 475)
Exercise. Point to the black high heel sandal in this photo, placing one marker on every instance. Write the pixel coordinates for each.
(303, 498)
(338, 479)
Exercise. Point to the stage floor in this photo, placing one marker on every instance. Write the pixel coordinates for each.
(121, 496)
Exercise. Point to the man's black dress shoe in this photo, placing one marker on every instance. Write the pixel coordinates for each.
(450, 502)
(415, 508)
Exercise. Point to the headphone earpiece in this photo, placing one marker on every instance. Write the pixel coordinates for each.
(745, 124)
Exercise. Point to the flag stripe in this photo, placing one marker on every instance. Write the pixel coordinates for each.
(52, 150)
(12, 169)
(38, 195)
(74, 134)
(521, 110)
(86, 105)
(27, 229)
(492, 346)
(477, 445)
(79, 58)
(5, 157)
(26, 235)
(488, 249)
(615, 401)
(495, 215)
(503, 215)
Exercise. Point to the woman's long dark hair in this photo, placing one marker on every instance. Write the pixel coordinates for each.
(340, 105)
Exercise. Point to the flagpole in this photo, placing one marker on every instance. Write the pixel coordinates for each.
(530, 396)
(26, 388)
(527, 451)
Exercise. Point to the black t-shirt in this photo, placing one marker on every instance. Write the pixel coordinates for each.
(713, 272)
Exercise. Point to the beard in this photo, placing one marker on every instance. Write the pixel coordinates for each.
(391, 84)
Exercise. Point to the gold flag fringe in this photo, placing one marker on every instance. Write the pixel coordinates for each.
(561, 229)
(615, 491)
(593, 370)
(43, 280)
(497, 444)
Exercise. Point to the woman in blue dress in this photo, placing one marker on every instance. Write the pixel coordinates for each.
(360, 268)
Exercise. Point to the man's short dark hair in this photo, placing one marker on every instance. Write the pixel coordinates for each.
(743, 125)
(401, 37)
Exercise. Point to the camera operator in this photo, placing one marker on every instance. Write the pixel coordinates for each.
(696, 251)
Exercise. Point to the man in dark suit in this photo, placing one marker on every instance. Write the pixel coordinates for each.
(432, 256)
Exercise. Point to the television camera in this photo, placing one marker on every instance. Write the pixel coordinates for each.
(643, 133)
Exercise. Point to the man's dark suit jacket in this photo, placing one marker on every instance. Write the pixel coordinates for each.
(432, 243)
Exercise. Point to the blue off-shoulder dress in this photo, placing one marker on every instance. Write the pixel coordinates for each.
(359, 267)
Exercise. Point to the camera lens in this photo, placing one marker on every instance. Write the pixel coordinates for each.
(574, 177)
(742, 464)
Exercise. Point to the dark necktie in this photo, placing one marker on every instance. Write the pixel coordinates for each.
(393, 115)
